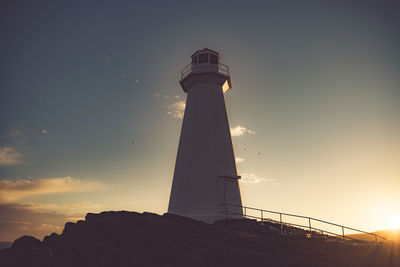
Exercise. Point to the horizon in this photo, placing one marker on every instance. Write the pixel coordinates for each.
(92, 107)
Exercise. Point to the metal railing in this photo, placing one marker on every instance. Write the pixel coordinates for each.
(310, 227)
(221, 68)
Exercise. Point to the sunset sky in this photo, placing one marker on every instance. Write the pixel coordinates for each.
(91, 107)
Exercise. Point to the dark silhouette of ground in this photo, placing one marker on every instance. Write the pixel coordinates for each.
(133, 239)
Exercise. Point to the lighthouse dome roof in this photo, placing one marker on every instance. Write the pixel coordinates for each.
(205, 50)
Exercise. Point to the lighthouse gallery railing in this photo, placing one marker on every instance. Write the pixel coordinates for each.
(310, 227)
(221, 68)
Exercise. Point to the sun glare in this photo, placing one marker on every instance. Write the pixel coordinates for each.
(394, 222)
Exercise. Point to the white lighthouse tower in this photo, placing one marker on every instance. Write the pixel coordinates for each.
(205, 176)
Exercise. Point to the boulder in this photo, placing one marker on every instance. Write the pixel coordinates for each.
(26, 242)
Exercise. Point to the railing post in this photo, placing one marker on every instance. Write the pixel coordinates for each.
(309, 223)
(244, 212)
(226, 211)
(262, 217)
(343, 233)
(376, 238)
(280, 220)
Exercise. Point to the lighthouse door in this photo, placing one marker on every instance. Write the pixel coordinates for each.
(230, 191)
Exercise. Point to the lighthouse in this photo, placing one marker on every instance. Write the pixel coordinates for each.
(205, 177)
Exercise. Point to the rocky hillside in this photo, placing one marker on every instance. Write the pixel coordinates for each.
(393, 235)
(133, 239)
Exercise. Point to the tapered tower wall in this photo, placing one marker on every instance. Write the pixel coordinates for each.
(205, 174)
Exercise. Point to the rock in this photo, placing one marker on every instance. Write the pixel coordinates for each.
(121, 238)
(26, 251)
(26, 242)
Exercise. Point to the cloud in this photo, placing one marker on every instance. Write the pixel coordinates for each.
(70, 208)
(17, 136)
(20, 219)
(16, 133)
(177, 109)
(156, 94)
(252, 178)
(10, 156)
(107, 59)
(238, 160)
(11, 191)
(239, 130)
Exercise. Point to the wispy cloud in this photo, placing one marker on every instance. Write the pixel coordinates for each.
(24, 219)
(19, 217)
(107, 58)
(239, 130)
(16, 133)
(10, 156)
(177, 109)
(17, 136)
(69, 208)
(11, 191)
(252, 178)
(238, 160)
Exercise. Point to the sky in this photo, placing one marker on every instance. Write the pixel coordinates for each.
(91, 107)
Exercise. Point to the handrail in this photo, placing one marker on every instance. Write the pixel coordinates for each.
(299, 225)
(294, 224)
(222, 68)
(309, 226)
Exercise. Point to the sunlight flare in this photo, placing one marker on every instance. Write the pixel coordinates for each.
(394, 221)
